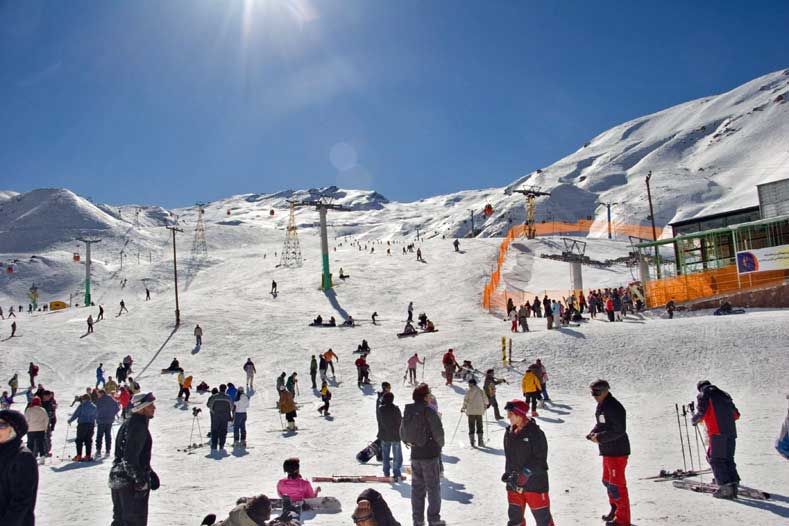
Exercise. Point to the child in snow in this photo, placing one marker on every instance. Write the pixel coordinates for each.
(293, 485)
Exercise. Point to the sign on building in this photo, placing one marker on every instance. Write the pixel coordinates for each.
(761, 259)
(774, 198)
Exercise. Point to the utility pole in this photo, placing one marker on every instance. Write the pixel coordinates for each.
(654, 230)
(88, 243)
(608, 206)
(470, 211)
(175, 229)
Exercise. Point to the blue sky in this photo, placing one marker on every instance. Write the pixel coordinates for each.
(180, 101)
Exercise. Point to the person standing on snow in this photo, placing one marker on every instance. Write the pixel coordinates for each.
(90, 323)
(490, 391)
(323, 366)
(221, 408)
(101, 313)
(106, 409)
(389, 420)
(123, 308)
(313, 371)
(450, 366)
(474, 405)
(13, 383)
(38, 423)
(85, 415)
(240, 407)
(131, 477)
(610, 435)
(13, 329)
(556, 313)
(147, 294)
(292, 383)
(513, 315)
(19, 481)
(412, 363)
(100, 375)
(716, 409)
(325, 398)
(531, 387)
(330, 357)
(526, 467)
(287, 407)
(523, 318)
(410, 312)
(539, 368)
(32, 372)
(249, 368)
(198, 335)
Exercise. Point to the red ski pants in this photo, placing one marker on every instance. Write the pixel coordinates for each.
(615, 483)
(539, 504)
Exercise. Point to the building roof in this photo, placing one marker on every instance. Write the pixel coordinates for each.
(698, 219)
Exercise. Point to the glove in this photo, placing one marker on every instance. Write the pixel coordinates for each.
(154, 481)
(517, 480)
(141, 489)
(505, 477)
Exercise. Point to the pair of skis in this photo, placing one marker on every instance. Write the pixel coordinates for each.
(706, 487)
(355, 478)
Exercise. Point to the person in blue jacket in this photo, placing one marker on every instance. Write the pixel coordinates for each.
(85, 415)
(100, 375)
(106, 410)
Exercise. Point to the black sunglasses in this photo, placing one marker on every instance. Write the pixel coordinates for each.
(597, 392)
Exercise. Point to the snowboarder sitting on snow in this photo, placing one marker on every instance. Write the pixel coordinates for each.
(409, 328)
(248, 512)
(332, 322)
(349, 322)
(318, 321)
(725, 308)
(203, 387)
(174, 367)
(343, 275)
(429, 327)
(293, 485)
(422, 320)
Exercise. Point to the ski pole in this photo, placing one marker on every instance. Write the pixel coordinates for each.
(681, 441)
(456, 428)
(423, 370)
(687, 437)
(281, 424)
(698, 451)
(65, 443)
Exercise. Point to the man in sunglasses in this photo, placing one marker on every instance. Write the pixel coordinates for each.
(131, 476)
(610, 435)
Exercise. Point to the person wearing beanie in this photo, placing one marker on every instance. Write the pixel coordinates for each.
(85, 415)
(610, 435)
(389, 420)
(526, 467)
(474, 405)
(716, 409)
(37, 426)
(293, 485)
(18, 473)
(131, 476)
(450, 366)
(422, 430)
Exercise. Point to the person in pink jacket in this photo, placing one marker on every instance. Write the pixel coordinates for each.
(294, 486)
(412, 363)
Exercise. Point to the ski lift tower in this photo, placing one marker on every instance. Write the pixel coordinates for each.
(574, 250)
(199, 246)
(291, 252)
(323, 206)
(531, 193)
(88, 242)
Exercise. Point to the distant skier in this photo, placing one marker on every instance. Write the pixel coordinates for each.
(450, 366)
(249, 368)
(374, 316)
(610, 435)
(412, 363)
(287, 407)
(323, 366)
(147, 294)
(531, 388)
(457, 245)
(90, 323)
(198, 332)
(419, 255)
(281, 381)
(716, 409)
(410, 312)
(325, 398)
(526, 467)
(221, 408)
(474, 405)
(32, 372)
(100, 375)
(123, 308)
(313, 371)
(273, 287)
(13, 329)
(330, 357)
(292, 383)
(11, 312)
(101, 313)
(1, 314)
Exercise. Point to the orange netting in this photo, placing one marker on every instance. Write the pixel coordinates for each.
(493, 299)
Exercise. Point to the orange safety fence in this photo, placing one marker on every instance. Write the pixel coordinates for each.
(725, 280)
(497, 300)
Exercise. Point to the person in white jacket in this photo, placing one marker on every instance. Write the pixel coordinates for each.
(474, 405)
(37, 426)
(240, 406)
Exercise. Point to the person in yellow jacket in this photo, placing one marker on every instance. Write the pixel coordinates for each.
(531, 388)
(111, 387)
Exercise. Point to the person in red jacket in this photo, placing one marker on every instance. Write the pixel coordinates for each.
(362, 371)
(450, 365)
(124, 398)
(716, 409)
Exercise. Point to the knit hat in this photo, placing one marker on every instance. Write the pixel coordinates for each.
(35, 401)
(519, 407)
(472, 381)
(702, 384)
(16, 420)
(141, 401)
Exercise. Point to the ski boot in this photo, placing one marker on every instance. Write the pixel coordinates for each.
(480, 441)
(471, 440)
(725, 491)
(76, 458)
(534, 414)
(86, 458)
(610, 516)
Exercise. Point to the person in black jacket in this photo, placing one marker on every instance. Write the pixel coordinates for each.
(526, 467)
(221, 408)
(18, 472)
(389, 420)
(610, 435)
(421, 429)
(716, 409)
(131, 475)
(381, 514)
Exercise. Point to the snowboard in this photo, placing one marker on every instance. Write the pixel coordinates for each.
(318, 504)
(354, 478)
(366, 454)
(733, 311)
(406, 335)
(705, 487)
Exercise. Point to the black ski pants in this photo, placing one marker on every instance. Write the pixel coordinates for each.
(218, 432)
(104, 431)
(532, 397)
(36, 442)
(721, 458)
(312, 377)
(495, 405)
(84, 438)
(474, 424)
(129, 508)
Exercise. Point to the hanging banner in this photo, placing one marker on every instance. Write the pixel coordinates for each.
(761, 259)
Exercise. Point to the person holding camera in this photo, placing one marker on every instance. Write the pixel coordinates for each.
(526, 467)
(610, 435)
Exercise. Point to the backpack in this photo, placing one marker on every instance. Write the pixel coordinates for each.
(414, 429)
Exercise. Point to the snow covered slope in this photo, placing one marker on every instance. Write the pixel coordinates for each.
(651, 362)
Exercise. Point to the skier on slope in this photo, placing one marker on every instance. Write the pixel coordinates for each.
(100, 375)
(32, 372)
(313, 371)
(90, 323)
(198, 333)
(410, 312)
(287, 407)
(123, 308)
(412, 363)
(325, 398)
(531, 387)
(474, 405)
(240, 408)
(490, 391)
(610, 435)
(716, 409)
(221, 408)
(291, 383)
(281, 381)
(450, 366)
(323, 366)
(526, 467)
(249, 368)
(101, 313)
(330, 357)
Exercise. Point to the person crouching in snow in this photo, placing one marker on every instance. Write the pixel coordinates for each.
(526, 467)
(293, 485)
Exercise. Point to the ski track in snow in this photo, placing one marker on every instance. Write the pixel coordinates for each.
(651, 363)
